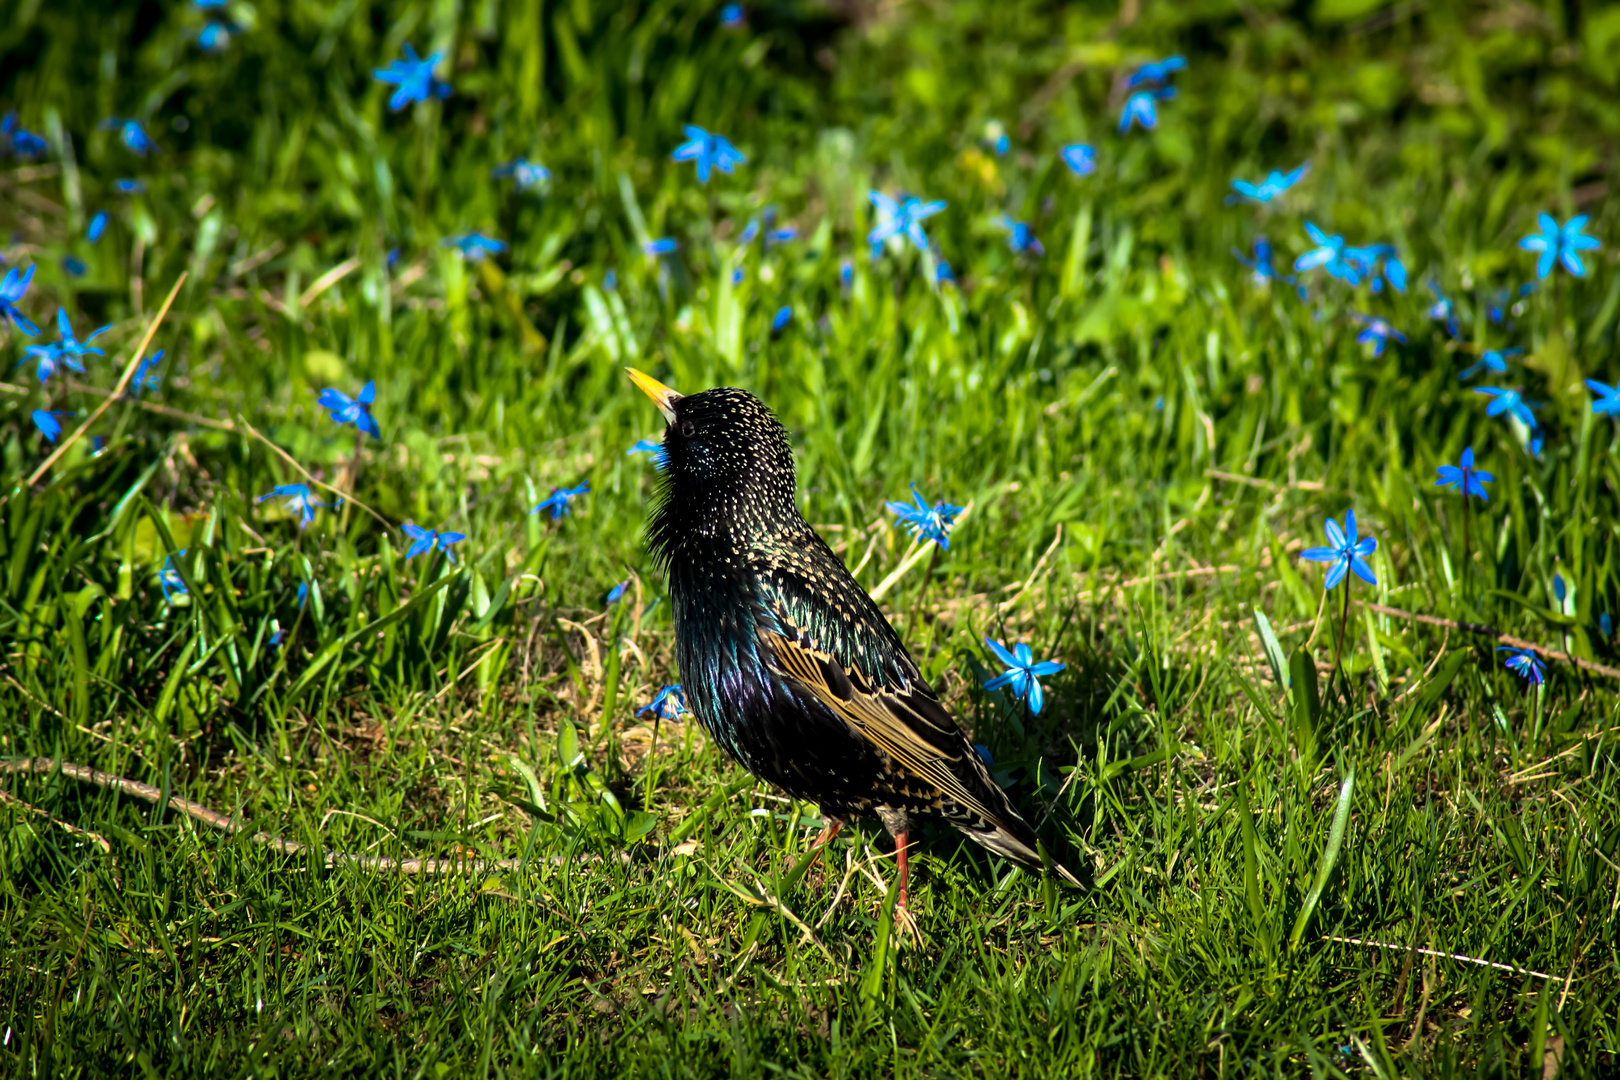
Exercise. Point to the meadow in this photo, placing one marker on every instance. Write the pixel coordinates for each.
(289, 789)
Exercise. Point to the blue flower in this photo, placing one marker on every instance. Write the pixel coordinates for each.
(664, 245)
(901, 219)
(1493, 360)
(1080, 158)
(709, 150)
(1605, 624)
(560, 500)
(47, 422)
(474, 246)
(1367, 262)
(1442, 309)
(528, 175)
(356, 411)
(169, 578)
(427, 540)
(656, 449)
(846, 274)
(414, 78)
(74, 267)
(732, 17)
(16, 140)
(610, 280)
(779, 321)
(1525, 662)
(995, 135)
(1560, 244)
(12, 288)
(1022, 675)
(1261, 264)
(943, 272)
(1508, 401)
(668, 703)
(131, 134)
(1345, 552)
(1377, 332)
(1156, 71)
(299, 501)
(98, 225)
(215, 36)
(1608, 397)
(616, 592)
(927, 522)
(126, 186)
(1140, 109)
(1329, 250)
(67, 350)
(1560, 592)
(145, 378)
(1021, 238)
(1464, 477)
(1272, 186)
(205, 5)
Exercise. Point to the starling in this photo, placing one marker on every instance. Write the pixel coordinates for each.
(785, 660)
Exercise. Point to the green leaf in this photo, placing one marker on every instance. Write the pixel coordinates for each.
(1330, 855)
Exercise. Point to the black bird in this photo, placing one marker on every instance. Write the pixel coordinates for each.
(784, 658)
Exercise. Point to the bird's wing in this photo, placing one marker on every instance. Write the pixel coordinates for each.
(910, 725)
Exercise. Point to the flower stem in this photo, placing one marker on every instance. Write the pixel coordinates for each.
(1468, 560)
(1338, 651)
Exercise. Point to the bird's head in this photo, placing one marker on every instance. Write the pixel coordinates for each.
(729, 469)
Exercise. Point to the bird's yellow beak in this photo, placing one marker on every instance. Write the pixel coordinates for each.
(662, 396)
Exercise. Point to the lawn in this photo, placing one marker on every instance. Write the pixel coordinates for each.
(362, 777)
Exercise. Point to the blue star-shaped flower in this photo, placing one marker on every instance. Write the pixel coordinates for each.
(927, 522)
(1608, 397)
(67, 350)
(846, 274)
(14, 139)
(1344, 551)
(215, 36)
(145, 377)
(356, 411)
(1140, 108)
(1369, 260)
(299, 501)
(1261, 264)
(1525, 662)
(656, 449)
(664, 245)
(474, 246)
(1329, 250)
(1508, 401)
(780, 320)
(1442, 308)
(413, 78)
(1464, 477)
(1022, 675)
(732, 17)
(615, 593)
(169, 578)
(1080, 158)
(47, 423)
(12, 288)
(943, 272)
(1377, 332)
(560, 500)
(126, 186)
(1156, 71)
(901, 219)
(709, 150)
(527, 175)
(428, 539)
(1560, 244)
(131, 134)
(1493, 360)
(1021, 238)
(97, 226)
(668, 704)
(1272, 186)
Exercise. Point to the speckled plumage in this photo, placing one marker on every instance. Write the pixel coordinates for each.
(785, 659)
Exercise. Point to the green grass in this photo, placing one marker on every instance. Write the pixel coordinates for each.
(1146, 436)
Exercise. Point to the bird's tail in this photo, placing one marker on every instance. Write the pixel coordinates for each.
(1010, 837)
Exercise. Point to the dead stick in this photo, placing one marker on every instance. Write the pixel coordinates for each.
(1491, 631)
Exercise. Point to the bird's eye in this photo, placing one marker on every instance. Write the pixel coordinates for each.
(688, 429)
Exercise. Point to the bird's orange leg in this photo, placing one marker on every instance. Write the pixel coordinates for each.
(902, 842)
(833, 827)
